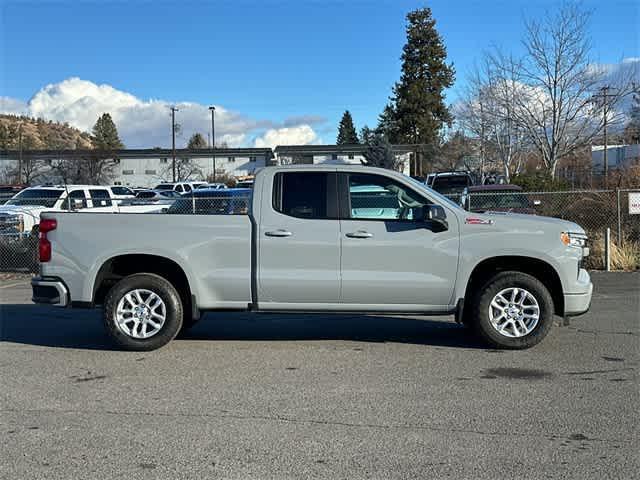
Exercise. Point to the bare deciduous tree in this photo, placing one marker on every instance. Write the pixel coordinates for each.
(556, 82)
(487, 113)
(186, 168)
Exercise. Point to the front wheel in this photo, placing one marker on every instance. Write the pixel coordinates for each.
(143, 312)
(513, 310)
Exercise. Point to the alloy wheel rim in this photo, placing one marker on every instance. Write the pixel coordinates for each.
(140, 313)
(514, 312)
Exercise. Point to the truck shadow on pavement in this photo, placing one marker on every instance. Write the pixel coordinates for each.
(58, 328)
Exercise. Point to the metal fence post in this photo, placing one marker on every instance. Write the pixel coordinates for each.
(607, 250)
(619, 217)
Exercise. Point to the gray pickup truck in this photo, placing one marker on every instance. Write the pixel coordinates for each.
(317, 239)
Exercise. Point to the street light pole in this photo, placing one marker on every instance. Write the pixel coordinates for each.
(173, 142)
(213, 139)
(20, 155)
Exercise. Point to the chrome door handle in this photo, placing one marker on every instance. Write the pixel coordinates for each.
(278, 233)
(359, 234)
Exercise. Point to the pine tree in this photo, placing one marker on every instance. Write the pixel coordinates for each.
(379, 153)
(417, 111)
(366, 135)
(98, 167)
(105, 134)
(388, 125)
(197, 142)
(346, 131)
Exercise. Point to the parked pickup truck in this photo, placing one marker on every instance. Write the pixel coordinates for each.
(333, 238)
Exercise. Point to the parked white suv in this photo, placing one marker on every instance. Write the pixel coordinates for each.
(180, 187)
(119, 193)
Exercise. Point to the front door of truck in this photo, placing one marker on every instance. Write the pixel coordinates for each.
(391, 256)
(299, 241)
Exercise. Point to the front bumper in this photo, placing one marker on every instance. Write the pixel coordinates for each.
(578, 303)
(49, 291)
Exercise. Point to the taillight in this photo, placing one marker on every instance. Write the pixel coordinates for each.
(44, 246)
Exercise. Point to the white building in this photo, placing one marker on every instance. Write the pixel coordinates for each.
(322, 154)
(148, 167)
(618, 157)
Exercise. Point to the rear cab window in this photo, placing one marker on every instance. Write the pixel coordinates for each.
(75, 200)
(306, 195)
(100, 198)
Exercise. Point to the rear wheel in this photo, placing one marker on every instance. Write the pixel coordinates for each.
(143, 312)
(513, 310)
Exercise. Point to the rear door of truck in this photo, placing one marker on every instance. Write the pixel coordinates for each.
(299, 241)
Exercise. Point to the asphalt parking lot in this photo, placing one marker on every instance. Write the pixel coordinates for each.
(313, 396)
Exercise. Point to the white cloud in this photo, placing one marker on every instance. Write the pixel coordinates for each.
(12, 106)
(147, 123)
(299, 135)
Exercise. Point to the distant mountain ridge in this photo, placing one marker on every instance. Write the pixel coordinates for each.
(40, 134)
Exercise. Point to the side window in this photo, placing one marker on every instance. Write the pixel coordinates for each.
(187, 187)
(375, 197)
(100, 198)
(179, 189)
(78, 200)
(309, 195)
(121, 191)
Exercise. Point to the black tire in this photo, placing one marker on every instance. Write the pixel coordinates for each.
(481, 301)
(157, 285)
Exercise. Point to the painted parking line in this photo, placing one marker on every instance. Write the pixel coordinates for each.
(18, 284)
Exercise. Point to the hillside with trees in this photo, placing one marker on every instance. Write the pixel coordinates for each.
(93, 167)
(40, 134)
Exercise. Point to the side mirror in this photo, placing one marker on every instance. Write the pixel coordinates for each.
(436, 215)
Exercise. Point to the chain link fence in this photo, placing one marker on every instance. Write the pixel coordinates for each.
(594, 210)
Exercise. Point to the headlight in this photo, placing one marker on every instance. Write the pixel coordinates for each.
(578, 240)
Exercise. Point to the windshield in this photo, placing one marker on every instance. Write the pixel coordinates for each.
(436, 195)
(148, 194)
(37, 197)
(164, 186)
(490, 201)
(450, 183)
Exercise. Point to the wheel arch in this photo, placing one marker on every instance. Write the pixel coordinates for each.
(540, 269)
(120, 266)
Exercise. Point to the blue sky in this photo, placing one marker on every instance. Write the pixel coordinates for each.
(267, 60)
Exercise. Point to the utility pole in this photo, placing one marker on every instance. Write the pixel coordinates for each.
(173, 141)
(212, 109)
(20, 154)
(605, 96)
